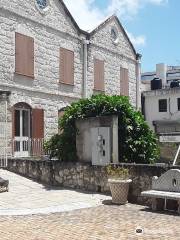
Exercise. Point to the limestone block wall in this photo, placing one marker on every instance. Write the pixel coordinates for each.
(5, 126)
(47, 43)
(84, 176)
(50, 103)
(50, 31)
(114, 56)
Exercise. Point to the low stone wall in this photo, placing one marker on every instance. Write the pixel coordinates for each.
(84, 176)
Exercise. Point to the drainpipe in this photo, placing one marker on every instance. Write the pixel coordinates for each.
(138, 81)
(85, 43)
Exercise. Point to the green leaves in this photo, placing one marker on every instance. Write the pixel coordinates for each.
(137, 143)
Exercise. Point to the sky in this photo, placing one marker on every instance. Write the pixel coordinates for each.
(152, 25)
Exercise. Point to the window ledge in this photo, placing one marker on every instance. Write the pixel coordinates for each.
(25, 75)
(98, 90)
(68, 84)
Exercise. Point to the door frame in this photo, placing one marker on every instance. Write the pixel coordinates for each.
(22, 140)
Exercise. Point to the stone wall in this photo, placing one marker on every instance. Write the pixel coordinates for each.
(114, 56)
(5, 124)
(51, 30)
(84, 176)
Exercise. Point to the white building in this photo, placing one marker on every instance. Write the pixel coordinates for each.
(164, 72)
(47, 62)
(161, 107)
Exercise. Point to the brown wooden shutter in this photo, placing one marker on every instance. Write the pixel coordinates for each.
(98, 75)
(38, 123)
(124, 82)
(66, 66)
(24, 55)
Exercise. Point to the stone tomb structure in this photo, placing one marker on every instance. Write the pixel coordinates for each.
(165, 191)
(97, 140)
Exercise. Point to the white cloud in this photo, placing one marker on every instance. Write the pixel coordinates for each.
(137, 40)
(130, 8)
(88, 16)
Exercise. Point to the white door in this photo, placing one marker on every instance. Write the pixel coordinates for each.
(100, 139)
(22, 133)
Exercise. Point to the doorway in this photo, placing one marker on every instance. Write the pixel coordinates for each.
(22, 132)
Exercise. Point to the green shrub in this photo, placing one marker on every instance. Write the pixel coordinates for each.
(137, 143)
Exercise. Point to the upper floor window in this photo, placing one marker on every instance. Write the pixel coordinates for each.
(178, 103)
(162, 105)
(98, 75)
(114, 35)
(24, 55)
(66, 66)
(124, 81)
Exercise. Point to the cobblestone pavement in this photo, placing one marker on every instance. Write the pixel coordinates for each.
(28, 197)
(55, 217)
(108, 222)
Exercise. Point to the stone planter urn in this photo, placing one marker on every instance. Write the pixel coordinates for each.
(119, 190)
(118, 179)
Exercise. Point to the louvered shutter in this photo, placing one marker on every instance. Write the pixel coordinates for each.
(66, 66)
(124, 81)
(98, 75)
(24, 55)
(37, 123)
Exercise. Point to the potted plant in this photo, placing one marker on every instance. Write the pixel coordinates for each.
(118, 179)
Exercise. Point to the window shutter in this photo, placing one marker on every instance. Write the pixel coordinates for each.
(98, 75)
(124, 82)
(24, 55)
(66, 66)
(38, 123)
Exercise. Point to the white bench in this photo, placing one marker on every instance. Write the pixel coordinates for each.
(166, 187)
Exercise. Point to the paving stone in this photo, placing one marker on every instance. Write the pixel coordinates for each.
(28, 197)
(71, 215)
(108, 222)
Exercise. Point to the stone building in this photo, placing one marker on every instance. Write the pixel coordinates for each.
(47, 62)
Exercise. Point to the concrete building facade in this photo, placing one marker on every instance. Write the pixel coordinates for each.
(167, 73)
(161, 107)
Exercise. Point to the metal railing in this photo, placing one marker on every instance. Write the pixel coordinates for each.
(28, 147)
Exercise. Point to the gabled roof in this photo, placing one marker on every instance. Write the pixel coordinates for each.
(72, 18)
(113, 17)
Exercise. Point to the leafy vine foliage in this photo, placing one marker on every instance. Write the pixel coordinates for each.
(137, 143)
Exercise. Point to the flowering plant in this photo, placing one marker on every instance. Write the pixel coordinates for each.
(117, 172)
